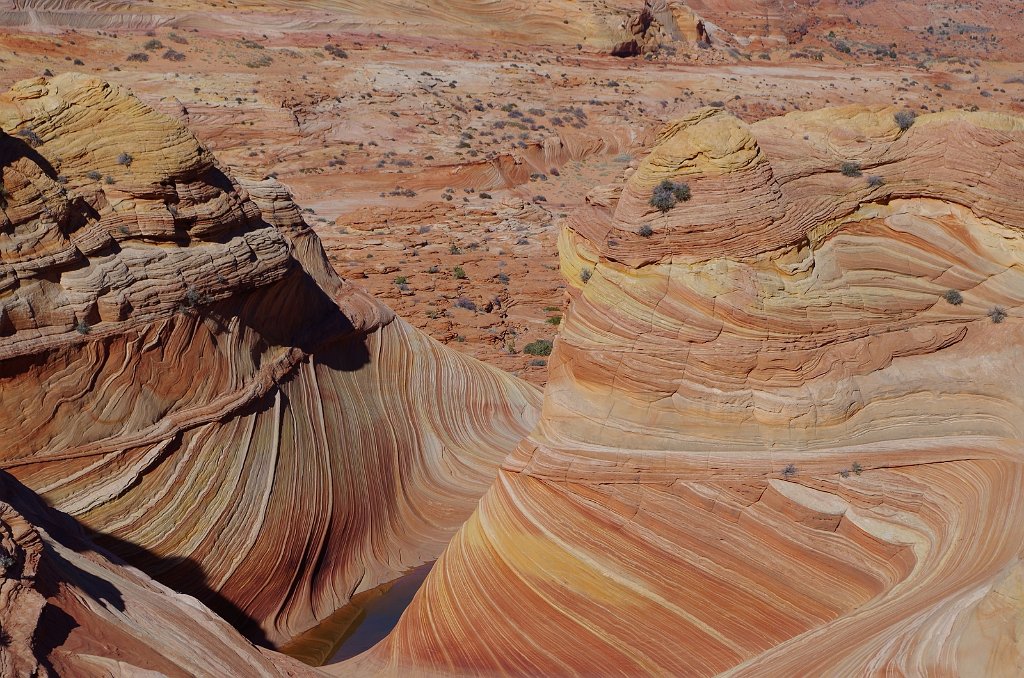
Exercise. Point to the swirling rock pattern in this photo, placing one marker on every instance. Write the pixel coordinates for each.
(183, 373)
(771, 443)
(70, 610)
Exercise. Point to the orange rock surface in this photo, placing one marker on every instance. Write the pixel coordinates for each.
(387, 118)
(184, 374)
(781, 432)
(68, 608)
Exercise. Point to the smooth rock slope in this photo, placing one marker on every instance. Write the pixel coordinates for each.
(782, 432)
(183, 373)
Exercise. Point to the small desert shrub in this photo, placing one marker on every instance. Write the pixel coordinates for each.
(585, 274)
(463, 302)
(109, 180)
(433, 269)
(173, 55)
(539, 347)
(905, 119)
(789, 471)
(78, 62)
(193, 299)
(262, 61)
(850, 169)
(401, 280)
(174, 37)
(538, 362)
(856, 468)
(554, 320)
(454, 249)
(997, 315)
(336, 52)
(645, 231)
(503, 278)
(124, 159)
(953, 296)
(83, 327)
(459, 273)
(137, 56)
(874, 181)
(94, 175)
(668, 194)
(30, 136)
(485, 196)
(153, 45)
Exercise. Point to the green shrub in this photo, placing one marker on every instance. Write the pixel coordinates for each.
(539, 347)
(668, 194)
(262, 61)
(459, 273)
(850, 169)
(554, 320)
(401, 280)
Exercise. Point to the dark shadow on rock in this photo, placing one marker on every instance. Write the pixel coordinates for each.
(185, 576)
(297, 312)
(180, 574)
(13, 148)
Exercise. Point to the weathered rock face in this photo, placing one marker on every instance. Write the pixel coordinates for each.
(182, 372)
(69, 610)
(781, 433)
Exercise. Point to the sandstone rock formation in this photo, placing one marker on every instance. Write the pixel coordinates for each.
(781, 433)
(66, 609)
(182, 372)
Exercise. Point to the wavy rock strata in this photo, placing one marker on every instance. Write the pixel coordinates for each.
(67, 609)
(772, 442)
(183, 373)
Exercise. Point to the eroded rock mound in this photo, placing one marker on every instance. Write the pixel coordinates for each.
(782, 430)
(183, 373)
